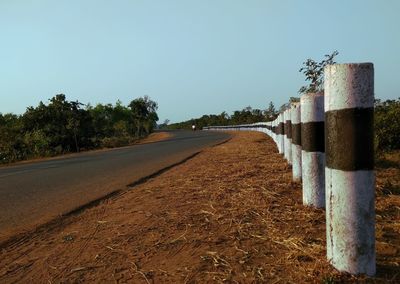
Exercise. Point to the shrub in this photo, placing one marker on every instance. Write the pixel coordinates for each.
(314, 73)
(387, 125)
(112, 142)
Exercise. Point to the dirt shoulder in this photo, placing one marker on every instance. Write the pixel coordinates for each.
(231, 214)
(153, 137)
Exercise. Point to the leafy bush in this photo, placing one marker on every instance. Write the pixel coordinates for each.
(112, 142)
(38, 144)
(387, 125)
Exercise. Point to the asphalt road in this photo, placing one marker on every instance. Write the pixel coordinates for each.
(35, 193)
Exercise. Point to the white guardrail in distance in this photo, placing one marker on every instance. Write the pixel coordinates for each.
(328, 139)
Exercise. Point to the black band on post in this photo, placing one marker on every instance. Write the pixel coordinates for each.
(289, 129)
(296, 134)
(312, 136)
(354, 129)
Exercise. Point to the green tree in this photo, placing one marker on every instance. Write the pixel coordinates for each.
(314, 73)
(144, 115)
(270, 112)
(12, 146)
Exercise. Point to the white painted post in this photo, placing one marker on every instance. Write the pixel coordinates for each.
(278, 135)
(276, 132)
(288, 135)
(296, 141)
(285, 146)
(350, 179)
(273, 131)
(277, 141)
(313, 154)
(281, 134)
(273, 135)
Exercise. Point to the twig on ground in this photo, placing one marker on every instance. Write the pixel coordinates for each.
(140, 272)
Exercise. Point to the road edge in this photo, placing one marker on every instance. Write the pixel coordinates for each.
(72, 155)
(65, 218)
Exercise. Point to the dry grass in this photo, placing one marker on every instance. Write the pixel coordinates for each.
(155, 137)
(388, 215)
(230, 215)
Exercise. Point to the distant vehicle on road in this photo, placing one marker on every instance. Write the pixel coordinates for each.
(194, 127)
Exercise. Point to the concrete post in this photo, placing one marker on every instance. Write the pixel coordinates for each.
(350, 179)
(278, 133)
(288, 136)
(270, 128)
(285, 147)
(313, 154)
(296, 142)
(273, 130)
(282, 132)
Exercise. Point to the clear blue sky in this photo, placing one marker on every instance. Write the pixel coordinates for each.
(192, 57)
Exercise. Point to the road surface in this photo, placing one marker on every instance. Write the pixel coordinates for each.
(37, 192)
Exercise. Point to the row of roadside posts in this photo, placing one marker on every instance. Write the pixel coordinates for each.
(327, 137)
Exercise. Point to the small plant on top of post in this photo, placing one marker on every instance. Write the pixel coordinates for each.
(314, 72)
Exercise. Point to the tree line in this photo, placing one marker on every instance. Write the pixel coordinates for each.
(245, 116)
(62, 126)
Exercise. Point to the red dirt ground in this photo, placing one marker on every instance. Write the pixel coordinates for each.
(231, 214)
